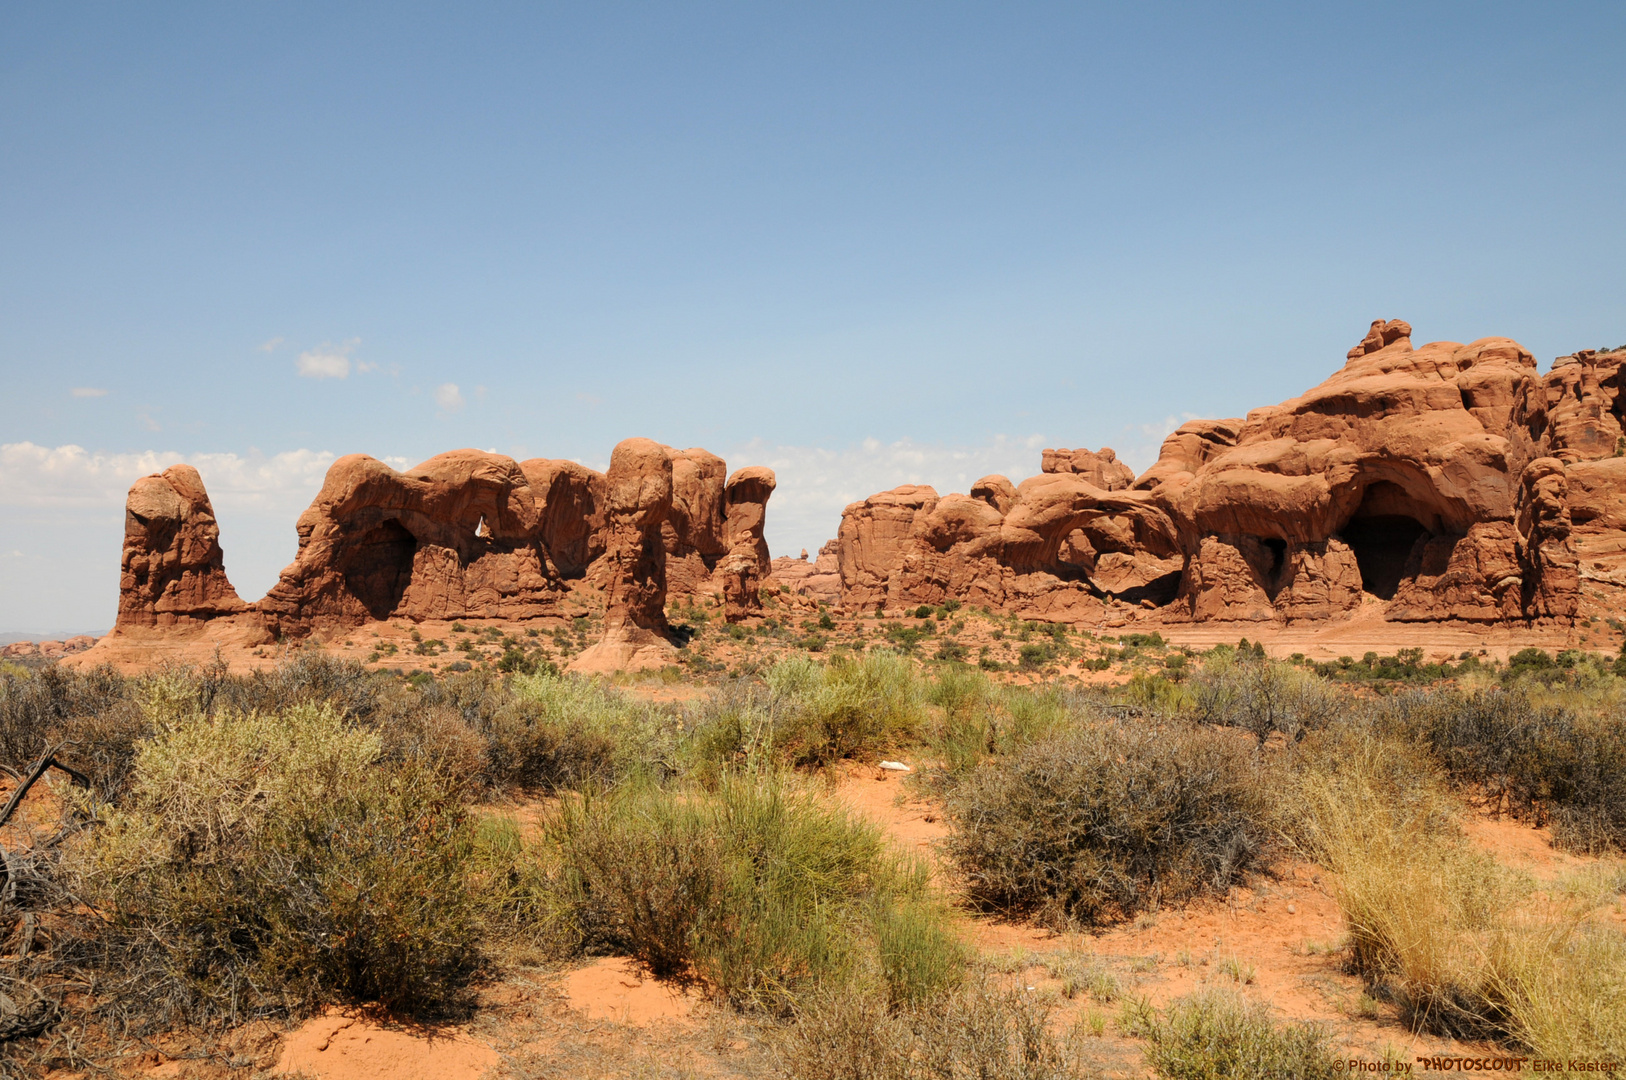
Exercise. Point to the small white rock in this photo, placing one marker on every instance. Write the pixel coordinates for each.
(896, 766)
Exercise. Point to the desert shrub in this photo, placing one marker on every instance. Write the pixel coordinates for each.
(1459, 943)
(1546, 765)
(1107, 818)
(918, 951)
(1221, 1035)
(1259, 695)
(543, 730)
(734, 728)
(90, 718)
(759, 891)
(264, 862)
(1155, 694)
(978, 1031)
(309, 676)
(851, 707)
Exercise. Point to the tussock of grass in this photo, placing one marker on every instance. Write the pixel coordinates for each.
(1103, 820)
(1221, 1035)
(982, 720)
(810, 713)
(1460, 943)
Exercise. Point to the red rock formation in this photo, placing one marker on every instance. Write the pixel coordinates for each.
(571, 500)
(747, 564)
(1450, 482)
(459, 536)
(1103, 469)
(693, 534)
(818, 581)
(638, 501)
(464, 535)
(172, 569)
(1381, 336)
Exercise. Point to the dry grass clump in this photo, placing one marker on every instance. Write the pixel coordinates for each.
(760, 891)
(91, 718)
(850, 707)
(267, 863)
(1221, 1035)
(1104, 819)
(1461, 944)
(976, 1030)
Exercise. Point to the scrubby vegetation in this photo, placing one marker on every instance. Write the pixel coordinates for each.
(1220, 1035)
(239, 846)
(1106, 817)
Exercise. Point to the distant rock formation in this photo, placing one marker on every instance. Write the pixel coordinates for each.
(633, 570)
(459, 536)
(1448, 482)
(465, 535)
(818, 580)
(1443, 483)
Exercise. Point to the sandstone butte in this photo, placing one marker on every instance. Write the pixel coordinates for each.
(1444, 485)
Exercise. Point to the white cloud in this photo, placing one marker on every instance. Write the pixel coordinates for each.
(71, 476)
(87, 391)
(328, 361)
(270, 346)
(448, 397)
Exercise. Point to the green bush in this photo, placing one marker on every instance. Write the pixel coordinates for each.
(980, 719)
(1220, 1035)
(848, 708)
(266, 862)
(1099, 821)
(760, 892)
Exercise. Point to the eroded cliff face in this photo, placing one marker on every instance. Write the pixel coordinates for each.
(464, 535)
(1449, 482)
(171, 571)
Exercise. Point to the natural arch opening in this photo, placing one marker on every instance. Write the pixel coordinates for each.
(377, 567)
(1382, 544)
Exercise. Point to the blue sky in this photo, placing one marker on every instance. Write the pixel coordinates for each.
(866, 244)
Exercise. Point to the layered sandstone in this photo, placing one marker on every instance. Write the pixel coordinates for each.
(1448, 482)
(819, 580)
